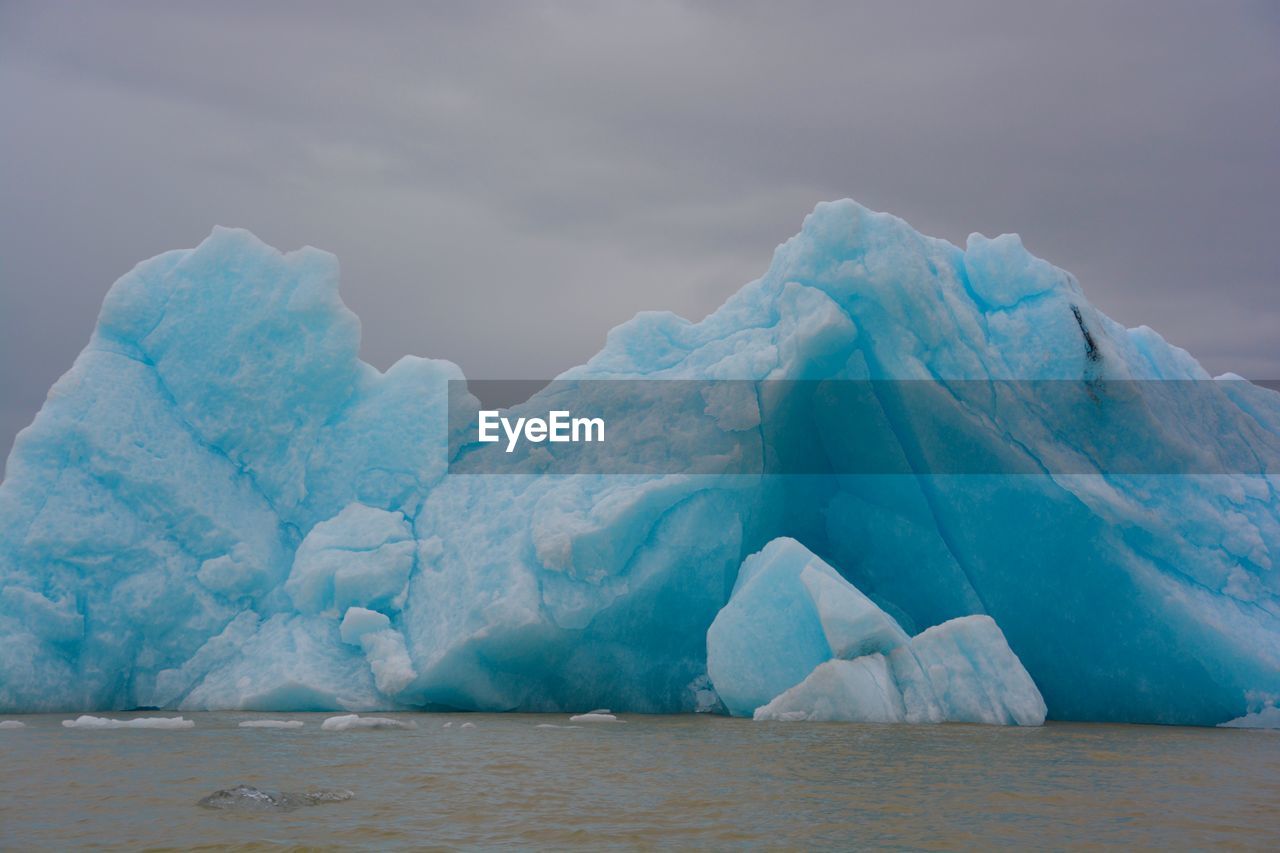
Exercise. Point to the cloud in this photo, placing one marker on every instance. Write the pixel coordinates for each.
(497, 176)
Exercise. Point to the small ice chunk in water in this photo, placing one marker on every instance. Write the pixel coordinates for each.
(1265, 718)
(249, 798)
(554, 726)
(599, 716)
(271, 724)
(467, 726)
(12, 724)
(85, 721)
(355, 721)
(447, 725)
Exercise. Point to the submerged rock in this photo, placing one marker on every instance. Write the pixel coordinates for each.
(250, 799)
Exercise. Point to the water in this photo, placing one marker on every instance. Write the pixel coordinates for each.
(653, 781)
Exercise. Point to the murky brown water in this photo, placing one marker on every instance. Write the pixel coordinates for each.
(654, 781)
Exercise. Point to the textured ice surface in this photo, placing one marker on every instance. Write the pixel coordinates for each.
(361, 557)
(861, 690)
(85, 721)
(219, 481)
(961, 671)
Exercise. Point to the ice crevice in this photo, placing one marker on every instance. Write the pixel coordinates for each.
(241, 470)
(912, 452)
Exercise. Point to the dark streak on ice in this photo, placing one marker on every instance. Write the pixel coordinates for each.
(1090, 348)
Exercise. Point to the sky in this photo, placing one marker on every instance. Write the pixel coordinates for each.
(504, 182)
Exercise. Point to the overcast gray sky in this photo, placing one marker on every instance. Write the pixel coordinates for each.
(502, 183)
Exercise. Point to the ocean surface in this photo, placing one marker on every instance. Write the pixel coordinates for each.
(691, 781)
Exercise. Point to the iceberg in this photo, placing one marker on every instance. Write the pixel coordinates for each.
(220, 506)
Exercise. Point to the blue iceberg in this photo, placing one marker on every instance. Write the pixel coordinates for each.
(221, 506)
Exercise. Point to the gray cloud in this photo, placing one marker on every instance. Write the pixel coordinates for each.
(504, 182)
